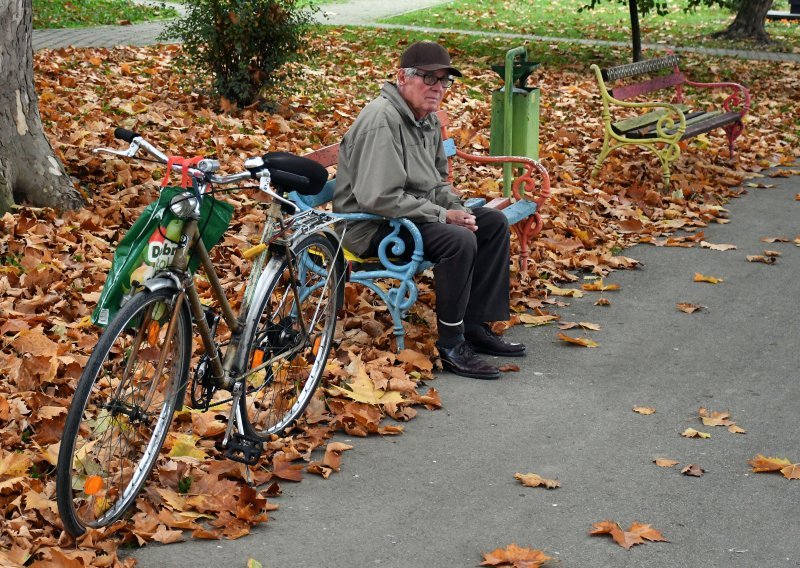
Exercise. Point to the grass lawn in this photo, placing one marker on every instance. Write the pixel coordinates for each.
(609, 21)
(85, 13)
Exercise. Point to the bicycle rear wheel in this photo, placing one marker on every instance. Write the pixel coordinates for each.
(121, 411)
(297, 326)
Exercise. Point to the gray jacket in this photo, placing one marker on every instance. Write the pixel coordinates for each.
(392, 165)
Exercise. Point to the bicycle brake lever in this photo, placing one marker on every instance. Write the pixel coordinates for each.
(129, 153)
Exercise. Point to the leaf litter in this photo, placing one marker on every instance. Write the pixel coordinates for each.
(54, 267)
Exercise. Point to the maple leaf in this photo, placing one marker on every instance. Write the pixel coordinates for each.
(602, 302)
(663, 462)
(533, 480)
(415, 359)
(644, 410)
(599, 286)
(692, 433)
(637, 533)
(735, 429)
(763, 464)
(710, 279)
(515, 556)
(284, 468)
(582, 341)
(693, 470)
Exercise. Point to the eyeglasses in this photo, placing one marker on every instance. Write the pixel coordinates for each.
(430, 79)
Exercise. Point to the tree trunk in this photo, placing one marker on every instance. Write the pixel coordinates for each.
(749, 22)
(636, 32)
(29, 170)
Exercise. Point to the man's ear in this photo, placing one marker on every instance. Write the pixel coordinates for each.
(401, 76)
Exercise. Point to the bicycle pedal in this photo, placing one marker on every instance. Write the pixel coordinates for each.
(244, 449)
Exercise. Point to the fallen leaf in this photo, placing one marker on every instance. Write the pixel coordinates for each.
(599, 286)
(763, 259)
(763, 464)
(637, 533)
(505, 368)
(531, 320)
(644, 410)
(693, 470)
(710, 279)
(708, 245)
(663, 462)
(556, 291)
(692, 433)
(533, 480)
(689, 308)
(734, 429)
(515, 556)
(772, 253)
(582, 341)
(791, 471)
(602, 302)
(714, 418)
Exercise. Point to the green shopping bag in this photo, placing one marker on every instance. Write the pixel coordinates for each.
(148, 239)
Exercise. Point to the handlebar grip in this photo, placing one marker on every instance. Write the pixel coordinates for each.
(125, 134)
(288, 180)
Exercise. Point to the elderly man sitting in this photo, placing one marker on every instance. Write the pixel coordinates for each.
(391, 163)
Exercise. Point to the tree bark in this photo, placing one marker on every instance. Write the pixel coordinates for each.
(29, 169)
(749, 22)
(636, 32)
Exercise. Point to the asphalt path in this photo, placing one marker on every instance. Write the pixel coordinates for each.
(444, 492)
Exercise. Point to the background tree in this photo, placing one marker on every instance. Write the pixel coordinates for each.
(749, 22)
(748, 25)
(29, 170)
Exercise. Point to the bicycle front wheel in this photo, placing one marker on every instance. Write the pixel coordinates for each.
(121, 411)
(292, 322)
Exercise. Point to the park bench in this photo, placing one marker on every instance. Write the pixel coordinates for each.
(530, 188)
(661, 128)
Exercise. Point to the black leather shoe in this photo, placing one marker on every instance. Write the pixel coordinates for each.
(461, 360)
(488, 342)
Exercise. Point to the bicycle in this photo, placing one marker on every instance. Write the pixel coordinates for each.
(138, 373)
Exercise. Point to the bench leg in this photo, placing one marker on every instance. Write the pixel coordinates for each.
(525, 231)
(604, 152)
(732, 132)
(667, 155)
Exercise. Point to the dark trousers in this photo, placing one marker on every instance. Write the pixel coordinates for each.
(471, 270)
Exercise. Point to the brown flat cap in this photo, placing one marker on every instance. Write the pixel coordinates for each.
(427, 56)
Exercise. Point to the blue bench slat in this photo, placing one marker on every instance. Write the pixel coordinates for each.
(519, 211)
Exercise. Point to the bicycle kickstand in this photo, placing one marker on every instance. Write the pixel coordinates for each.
(240, 447)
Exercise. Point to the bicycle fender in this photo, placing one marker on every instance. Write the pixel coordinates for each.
(162, 281)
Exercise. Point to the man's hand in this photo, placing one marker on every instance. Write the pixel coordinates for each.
(462, 219)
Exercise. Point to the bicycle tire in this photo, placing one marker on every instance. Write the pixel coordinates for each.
(120, 415)
(273, 328)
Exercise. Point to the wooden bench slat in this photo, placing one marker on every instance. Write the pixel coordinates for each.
(647, 119)
(519, 211)
(701, 127)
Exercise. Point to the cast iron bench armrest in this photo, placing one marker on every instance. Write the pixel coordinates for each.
(739, 97)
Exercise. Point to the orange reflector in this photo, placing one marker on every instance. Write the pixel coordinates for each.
(317, 343)
(258, 358)
(93, 485)
(152, 332)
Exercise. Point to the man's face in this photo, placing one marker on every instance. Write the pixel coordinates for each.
(422, 99)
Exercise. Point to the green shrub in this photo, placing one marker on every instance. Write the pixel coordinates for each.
(241, 44)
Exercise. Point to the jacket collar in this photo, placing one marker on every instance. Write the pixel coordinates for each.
(389, 92)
